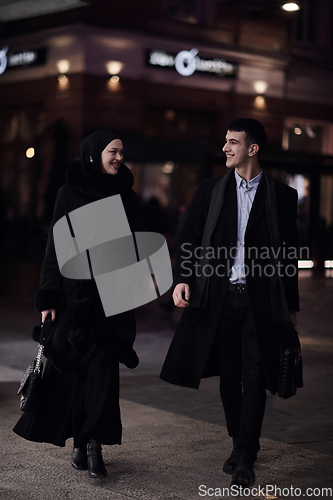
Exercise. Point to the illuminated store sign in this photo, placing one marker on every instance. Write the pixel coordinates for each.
(21, 59)
(187, 62)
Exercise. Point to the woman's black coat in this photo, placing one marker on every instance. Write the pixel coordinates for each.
(81, 331)
(190, 356)
(76, 301)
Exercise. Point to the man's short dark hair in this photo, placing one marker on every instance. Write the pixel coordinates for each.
(254, 130)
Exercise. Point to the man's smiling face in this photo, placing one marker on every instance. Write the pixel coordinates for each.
(236, 149)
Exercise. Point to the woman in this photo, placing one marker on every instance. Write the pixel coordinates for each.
(80, 390)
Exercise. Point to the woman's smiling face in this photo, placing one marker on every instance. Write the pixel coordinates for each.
(112, 157)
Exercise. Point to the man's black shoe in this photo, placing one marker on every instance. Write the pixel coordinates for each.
(96, 467)
(243, 474)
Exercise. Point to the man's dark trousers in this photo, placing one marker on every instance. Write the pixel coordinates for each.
(242, 381)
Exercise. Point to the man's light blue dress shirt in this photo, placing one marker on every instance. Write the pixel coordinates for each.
(245, 197)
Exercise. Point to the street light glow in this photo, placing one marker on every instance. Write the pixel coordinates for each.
(306, 264)
(290, 6)
(260, 86)
(30, 153)
(63, 66)
(114, 67)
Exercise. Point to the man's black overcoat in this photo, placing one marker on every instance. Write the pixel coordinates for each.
(190, 356)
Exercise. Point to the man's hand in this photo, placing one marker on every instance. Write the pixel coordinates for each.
(180, 289)
(293, 318)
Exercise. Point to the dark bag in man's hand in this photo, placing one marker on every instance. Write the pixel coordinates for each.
(290, 371)
(31, 382)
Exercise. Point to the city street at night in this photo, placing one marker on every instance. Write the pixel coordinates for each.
(178, 149)
(174, 439)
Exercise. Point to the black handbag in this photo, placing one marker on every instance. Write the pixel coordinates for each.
(30, 385)
(290, 370)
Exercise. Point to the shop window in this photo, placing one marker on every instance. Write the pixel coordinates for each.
(8, 160)
(156, 183)
(303, 136)
(326, 199)
(180, 124)
(306, 138)
(314, 24)
(326, 218)
(301, 183)
(10, 128)
(17, 171)
(183, 10)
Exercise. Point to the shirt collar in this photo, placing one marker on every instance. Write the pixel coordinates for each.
(253, 183)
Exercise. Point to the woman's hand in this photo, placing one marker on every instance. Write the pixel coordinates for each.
(45, 314)
(293, 318)
(180, 289)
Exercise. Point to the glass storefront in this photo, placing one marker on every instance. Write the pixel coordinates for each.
(326, 219)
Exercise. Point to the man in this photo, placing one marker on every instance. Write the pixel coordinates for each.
(235, 269)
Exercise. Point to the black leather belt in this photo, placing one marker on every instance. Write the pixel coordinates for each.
(237, 288)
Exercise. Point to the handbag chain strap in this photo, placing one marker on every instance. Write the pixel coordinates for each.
(39, 358)
(41, 346)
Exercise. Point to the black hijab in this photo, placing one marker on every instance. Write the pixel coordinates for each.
(92, 147)
(85, 173)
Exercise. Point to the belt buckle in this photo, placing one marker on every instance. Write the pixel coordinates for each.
(241, 288)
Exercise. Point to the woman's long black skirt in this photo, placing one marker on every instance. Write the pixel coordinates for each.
(84, 408)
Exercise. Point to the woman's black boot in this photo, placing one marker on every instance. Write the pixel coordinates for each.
(79, 458)
(96, 465)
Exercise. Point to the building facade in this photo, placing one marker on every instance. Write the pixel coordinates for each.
(168, 75)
